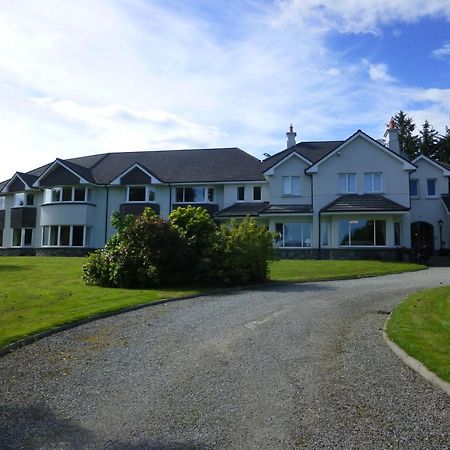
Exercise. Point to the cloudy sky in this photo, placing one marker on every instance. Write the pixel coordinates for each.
(94, 76)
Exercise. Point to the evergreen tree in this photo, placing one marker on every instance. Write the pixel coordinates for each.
(443, 147)
(428, 141)
(409, 143)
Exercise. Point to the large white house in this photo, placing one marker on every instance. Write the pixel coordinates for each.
(325, 199)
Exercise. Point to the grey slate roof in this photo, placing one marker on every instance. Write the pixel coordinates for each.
(242, 209)
(312, 151)
(288, 209)
(363, 203)
(446, 200)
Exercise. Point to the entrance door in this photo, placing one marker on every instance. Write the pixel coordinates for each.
(422, 237)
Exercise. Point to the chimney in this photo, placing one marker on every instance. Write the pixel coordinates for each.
(391, 135)
(291, 134)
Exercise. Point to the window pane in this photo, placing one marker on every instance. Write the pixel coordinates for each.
(45, 231)
(54, 235)
(77, 236)
(279, 228)
(287, 185)
(431, 187)
(257, 193)
(19, 199)
(351, 182)
(56, 195)
(79, 195)
(306, 235)
(361, 232)
(136, 194)
(17, 237)
(343, 232)
(397, 233)
(342, 183)
(377, 182)
(292, 234)
(189, 194)
(413, 187)
(210, 194)
(367, 182)
(67, 194)
(30, 200)
(380, 232)
(199, 194)
(325, 234)
(64, 238)
(240, 193)
(295, 185)
(179, 195)
(28, 236)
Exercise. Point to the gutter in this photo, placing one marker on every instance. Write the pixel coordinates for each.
(106, 212)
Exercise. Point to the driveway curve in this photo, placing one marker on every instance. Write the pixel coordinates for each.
(288, 366)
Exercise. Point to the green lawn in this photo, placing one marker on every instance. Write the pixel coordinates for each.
(312, 270)
(421, 326)
(38, 293)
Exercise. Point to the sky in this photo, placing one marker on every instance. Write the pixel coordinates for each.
(96, 76)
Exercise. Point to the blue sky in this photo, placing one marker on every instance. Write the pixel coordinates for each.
(94, 76)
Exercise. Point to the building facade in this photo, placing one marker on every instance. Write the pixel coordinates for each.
(356, 198)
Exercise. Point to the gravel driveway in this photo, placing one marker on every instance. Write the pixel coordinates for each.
(292, 366)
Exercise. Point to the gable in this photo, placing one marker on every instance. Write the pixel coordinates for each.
(293, 162)
(426, 167)
(136, 176)
(59, 176)
(17, 185)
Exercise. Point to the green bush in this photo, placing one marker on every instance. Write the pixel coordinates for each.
(190, 248)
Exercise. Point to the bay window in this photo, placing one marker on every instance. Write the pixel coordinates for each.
(67, 194)
(362, 232)
(64, 235)
(293, 234)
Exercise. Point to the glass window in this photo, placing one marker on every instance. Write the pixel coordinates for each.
(136, 194)
(28, 236)
(66, 194)
(279, 229)
(179, 195)
(17, 237)
(397, 233)
(347, 183)
(414, 187)
(297, 235)
(19, 199)
(431, 188)
(256, 192)
(193, 195)
(210, 194)
(372, 182)
(2, 202)
(79, 194)
(64, 235)
(199, 194)
(45, 232)
(325, 235)
(291, 185)
(380, 232)
(54, 235)
(360, 232)
(77, 236)
(56, 195)
(30, 199)
(240, 193)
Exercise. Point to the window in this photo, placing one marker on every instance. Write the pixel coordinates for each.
(67, 194)
(256, 192)
(240, 193)
(431, 187)
(194, 195)
(2, 202)
(347, 183)
(372, 182)
(22, 237)
(414, 188)
(19, 199)
(361, 232)
(136, 194)
(397, 234)
(291, 185)
(293, 234)
(63, 235)
(1, 238)
(29, 199)
(325, 234)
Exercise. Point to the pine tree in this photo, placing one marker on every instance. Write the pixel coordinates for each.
(428, 141)
(443, 147)
(409, 143)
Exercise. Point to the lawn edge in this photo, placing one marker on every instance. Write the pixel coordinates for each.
(4, 350)
(415, 364)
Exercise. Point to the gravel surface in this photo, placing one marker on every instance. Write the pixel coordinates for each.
(292, 366)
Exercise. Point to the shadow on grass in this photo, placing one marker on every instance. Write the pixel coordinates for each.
(13, 268)
(37, 426)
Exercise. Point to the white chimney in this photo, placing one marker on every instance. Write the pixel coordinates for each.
(391, 135)
(291, 134)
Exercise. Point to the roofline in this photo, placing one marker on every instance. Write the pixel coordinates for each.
(140, 166)
(363, 211)
(284, 159)
(435, 163)
(61, 163)
(11, 179)
(313, 168)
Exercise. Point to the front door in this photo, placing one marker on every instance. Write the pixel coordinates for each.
(422, 237)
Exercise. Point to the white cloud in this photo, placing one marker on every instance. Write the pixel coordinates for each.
(380, 73)
(443, 52)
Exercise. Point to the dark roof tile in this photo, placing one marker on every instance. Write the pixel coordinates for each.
(363, 203)
(243, 210)
(288, 209)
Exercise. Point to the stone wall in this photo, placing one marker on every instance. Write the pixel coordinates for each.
(45, 251)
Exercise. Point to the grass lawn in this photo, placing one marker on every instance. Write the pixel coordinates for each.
(312, 270)
(39, 293)
(421, 326)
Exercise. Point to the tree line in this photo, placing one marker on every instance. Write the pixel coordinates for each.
(428, 141)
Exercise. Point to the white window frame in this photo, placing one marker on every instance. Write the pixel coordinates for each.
(22, 237)
(148, 191)
(291, 185)
(281, 241)
(209, 192)
(370, 177)
(46, 229)
(87, 194)
(346, 177)
(435, 188)
(2, 202)
(356, 220)
(416, 181)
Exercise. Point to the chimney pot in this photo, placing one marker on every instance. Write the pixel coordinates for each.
(291, 134)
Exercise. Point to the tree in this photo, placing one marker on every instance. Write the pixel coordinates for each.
(428, 140)
(443, 147)
(409, 143)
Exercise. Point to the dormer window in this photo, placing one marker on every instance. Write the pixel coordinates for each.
(68, 194)
(140, 194)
